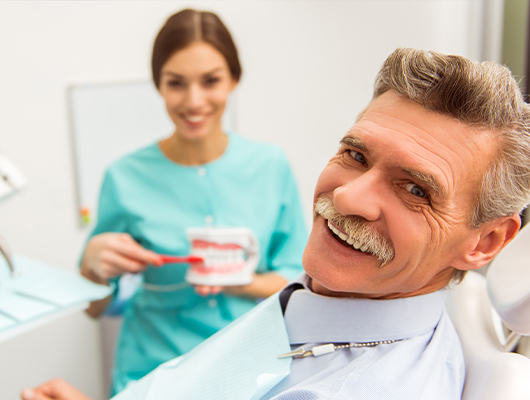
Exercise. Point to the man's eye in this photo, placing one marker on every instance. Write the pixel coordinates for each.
(358, 157)
(415, 190)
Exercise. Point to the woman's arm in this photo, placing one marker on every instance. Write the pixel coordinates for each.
(263, 285)
(57, 389)
(109, 255)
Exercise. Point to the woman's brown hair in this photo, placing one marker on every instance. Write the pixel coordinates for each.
(186, 27)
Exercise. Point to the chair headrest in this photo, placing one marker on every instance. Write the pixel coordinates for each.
(508, 283)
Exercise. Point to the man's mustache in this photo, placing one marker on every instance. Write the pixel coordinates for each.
(357, 229)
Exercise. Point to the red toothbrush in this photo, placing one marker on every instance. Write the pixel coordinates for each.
(185, 259)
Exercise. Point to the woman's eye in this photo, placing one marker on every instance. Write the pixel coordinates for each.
(174, 83)
(415, 190)
(211, 81)
(358, 157)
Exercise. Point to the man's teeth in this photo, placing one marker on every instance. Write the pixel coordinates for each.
(194, 118)
(350, 241)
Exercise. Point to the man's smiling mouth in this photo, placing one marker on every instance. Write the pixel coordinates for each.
(345, 240)
(354, 232)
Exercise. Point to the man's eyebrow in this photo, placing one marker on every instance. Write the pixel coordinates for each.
(352, 141)
(427, 179)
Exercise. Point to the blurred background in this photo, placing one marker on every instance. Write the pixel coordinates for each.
(308, 70)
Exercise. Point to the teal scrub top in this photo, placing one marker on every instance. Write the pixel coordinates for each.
(154, 200)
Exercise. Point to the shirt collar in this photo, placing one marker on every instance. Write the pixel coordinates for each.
(313, 318)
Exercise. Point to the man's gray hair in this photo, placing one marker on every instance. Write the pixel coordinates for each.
(481, 94)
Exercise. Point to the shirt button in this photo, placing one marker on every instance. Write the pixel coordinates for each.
(201, 171)
(208, 219)
(212, 303)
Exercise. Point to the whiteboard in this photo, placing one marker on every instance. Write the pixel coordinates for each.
(109, 120)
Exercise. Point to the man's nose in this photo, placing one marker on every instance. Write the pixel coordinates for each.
(361, 196)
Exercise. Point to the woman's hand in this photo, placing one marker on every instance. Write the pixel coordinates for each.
(112, 254)
(57, 389)
(262, 286)
(205, 290)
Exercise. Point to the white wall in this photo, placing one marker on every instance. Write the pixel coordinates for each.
(308, 70)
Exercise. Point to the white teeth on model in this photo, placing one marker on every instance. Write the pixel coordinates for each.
(347, 239)
(214, 257)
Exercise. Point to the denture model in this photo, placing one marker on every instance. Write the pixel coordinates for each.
(230, 256)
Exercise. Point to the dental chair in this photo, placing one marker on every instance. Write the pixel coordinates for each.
(482, 310)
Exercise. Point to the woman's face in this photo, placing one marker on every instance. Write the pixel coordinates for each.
(195, 83)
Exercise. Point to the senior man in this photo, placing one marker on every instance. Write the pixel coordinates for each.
(425, 186)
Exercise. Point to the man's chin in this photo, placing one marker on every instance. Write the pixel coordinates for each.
(327, 286)
(324, 279)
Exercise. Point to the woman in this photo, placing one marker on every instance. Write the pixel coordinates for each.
(198, 176)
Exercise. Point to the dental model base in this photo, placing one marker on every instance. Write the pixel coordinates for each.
(230, 256)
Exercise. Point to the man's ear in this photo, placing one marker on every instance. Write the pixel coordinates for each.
(493, 236)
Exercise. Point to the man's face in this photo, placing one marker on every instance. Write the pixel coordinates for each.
(408, 178)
